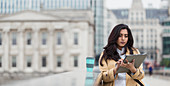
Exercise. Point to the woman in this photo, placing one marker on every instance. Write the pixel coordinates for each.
(120, 44)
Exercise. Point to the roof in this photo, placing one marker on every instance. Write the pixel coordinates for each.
(160, 14)
(121, 13)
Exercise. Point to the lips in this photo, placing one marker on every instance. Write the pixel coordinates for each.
(122, 42)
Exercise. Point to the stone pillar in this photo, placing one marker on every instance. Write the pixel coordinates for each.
(36, 59)
(6, 49)
(66, 43)
(21, 51)
(51, 50)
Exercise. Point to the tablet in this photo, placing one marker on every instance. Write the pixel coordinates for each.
(139, 58)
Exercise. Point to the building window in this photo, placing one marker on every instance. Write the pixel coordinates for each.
(166, 45)
(141, 18)
(21, 4)
(136, 18)
(59, 41)
(14, 38)
(75, 61)
(151, 55)
(1, 6)
(32, 4)
(0, 61)
(44, 61)
(75, 38)
(59, 61)
(44, 38)
(0, 38)
(16, 5)
(13, 7)
(29, 36)
(5, 7)
(36, 6)
(14, 61)
(136, 13)
(28, 61)
(24, 4)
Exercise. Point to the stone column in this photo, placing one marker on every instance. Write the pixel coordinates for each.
(21, 51)
(36, 49)
(6, 49)
(66, 43)
(51, 50)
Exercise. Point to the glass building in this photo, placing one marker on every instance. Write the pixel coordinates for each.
(13, 6)
(99, 25)
(166, 43)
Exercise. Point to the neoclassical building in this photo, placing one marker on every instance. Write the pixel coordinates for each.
(46, 41)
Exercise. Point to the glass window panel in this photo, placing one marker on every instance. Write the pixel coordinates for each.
(14, 61)
(0, 61)
(59, 61)
(75, 38)
(44, 38)
(29, 61)
(14, 38)
(44, 61)
(29, 36)
(75, 61)
(0, 38)
(59, 35)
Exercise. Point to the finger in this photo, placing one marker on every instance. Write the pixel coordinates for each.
(133, 61)
(120, 59)
(121, 62)
(126, 60)
(117, 62)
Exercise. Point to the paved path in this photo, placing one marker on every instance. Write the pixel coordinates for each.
(156, 81)
(80, 78)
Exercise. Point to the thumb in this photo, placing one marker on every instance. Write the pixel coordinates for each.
(133, 61)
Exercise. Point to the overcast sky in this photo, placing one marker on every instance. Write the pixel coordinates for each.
(113, 4)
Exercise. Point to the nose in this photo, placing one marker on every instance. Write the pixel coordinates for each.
(123, 37)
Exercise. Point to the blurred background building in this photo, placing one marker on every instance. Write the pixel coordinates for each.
(98, 7)
(38, 36)
(145, 26)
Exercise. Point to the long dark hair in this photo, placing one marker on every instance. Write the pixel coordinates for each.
(110, 50)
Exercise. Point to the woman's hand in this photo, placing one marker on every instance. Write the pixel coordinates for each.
(117, 65)
(129, 65)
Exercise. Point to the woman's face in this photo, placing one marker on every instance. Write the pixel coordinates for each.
(123, 38)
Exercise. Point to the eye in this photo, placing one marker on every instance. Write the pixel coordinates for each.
(120, 35)
(126, 35)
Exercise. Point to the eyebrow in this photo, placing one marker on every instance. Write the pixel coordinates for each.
(125, 34)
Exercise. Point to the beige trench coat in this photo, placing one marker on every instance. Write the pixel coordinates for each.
(107, 75)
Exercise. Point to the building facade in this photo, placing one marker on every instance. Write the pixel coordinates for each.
(98, 7)
(46, 41)
(145, 25)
